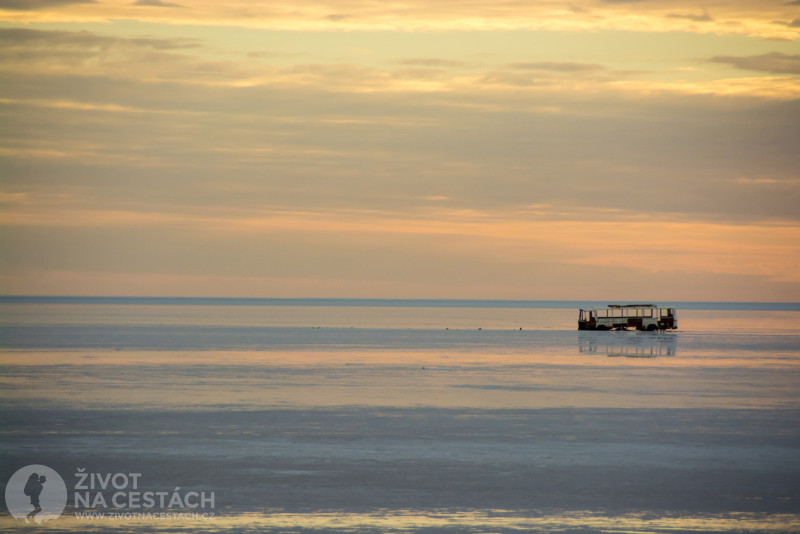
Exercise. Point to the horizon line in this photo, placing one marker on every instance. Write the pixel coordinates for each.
(374, 300)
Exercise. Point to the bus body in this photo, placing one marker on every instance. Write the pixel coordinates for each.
(624, 316)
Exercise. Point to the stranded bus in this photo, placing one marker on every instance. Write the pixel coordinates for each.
(621, 317)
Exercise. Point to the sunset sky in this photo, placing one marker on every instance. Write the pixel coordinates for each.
(585, 149)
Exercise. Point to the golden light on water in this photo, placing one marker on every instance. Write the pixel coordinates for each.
(412, 520)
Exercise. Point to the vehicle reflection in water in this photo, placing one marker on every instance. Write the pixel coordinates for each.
(628, 344)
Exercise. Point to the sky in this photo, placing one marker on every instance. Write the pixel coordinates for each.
(508, 149)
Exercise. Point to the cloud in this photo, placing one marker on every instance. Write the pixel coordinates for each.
(307, 146)
(149, 155)
(557, 66)
(37, 52)
(433, 62)
(705, 17)
(793, 24)
(409, 247)
(793, 3)
(35, 5)
(13, 198)
(735, 16)
(154, 3)
(773, 62)
(46, 39)
(187, 60)
(548, 76)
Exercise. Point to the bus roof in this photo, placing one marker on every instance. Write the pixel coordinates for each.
(625, 306)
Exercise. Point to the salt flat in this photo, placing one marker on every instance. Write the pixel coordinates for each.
(416, 430)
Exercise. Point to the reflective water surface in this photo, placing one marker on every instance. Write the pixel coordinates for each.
(359, 419)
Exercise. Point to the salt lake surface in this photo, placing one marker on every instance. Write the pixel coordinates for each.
(413, 416)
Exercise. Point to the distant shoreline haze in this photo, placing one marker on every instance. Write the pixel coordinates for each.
(397, 303)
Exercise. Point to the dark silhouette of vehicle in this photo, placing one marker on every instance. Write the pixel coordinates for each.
(625, 316)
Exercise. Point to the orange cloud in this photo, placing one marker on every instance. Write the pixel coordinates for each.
(638, 242)
(738, 16)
